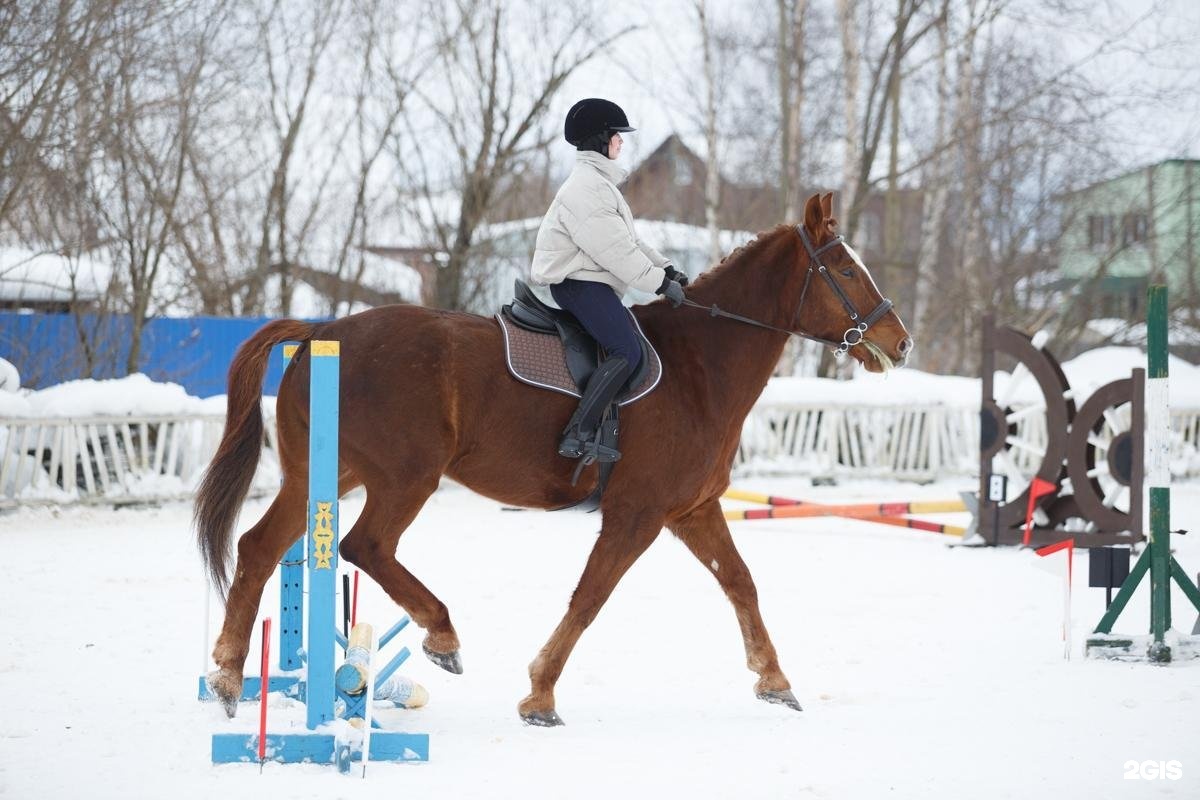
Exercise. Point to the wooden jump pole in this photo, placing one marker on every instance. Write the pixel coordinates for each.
(882, 513)
(881, 509)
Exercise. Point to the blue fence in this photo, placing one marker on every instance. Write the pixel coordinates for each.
(194, 352)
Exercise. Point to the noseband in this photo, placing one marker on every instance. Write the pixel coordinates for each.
(859, 325)
(853, 334)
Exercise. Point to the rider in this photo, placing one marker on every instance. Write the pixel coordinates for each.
(588, 252)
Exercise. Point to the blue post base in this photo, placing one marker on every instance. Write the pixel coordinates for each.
(318, 748)
(291, 686)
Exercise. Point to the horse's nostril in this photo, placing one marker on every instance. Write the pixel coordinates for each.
(905, 345)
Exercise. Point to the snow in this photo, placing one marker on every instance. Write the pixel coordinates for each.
(10, 378)
(1085, 373)
(926, 671)
(133, 396)
(34, 276)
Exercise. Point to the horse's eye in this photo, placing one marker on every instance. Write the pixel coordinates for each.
(848, 272)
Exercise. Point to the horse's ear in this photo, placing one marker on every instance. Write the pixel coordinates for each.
(814, 217)
(827, 206)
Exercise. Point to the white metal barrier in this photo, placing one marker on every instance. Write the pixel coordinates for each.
(117, 460)
(911, 442)
(114, 459)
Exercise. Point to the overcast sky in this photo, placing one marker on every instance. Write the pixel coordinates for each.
(1149, 48)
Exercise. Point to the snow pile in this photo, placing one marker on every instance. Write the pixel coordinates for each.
(133, 396)
(899, 388)
(903, 387)
(26, 275)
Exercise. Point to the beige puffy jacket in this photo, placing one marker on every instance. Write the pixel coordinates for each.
(587, 234)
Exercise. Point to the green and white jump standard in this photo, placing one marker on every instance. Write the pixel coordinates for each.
(1156, 560)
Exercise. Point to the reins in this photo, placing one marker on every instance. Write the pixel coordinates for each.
(853, 334)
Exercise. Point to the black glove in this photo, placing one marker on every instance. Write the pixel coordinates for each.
(676, 275)
(672, 291)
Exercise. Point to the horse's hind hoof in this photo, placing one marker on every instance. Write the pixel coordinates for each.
(227, 687)
(542, 719)
(783, 697)
(451, 662)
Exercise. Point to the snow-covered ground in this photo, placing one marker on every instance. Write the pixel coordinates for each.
(925, 670)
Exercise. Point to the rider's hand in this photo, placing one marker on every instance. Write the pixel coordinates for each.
(676, 275)
(672, 291)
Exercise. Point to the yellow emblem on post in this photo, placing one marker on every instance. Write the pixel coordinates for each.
(323, 536)
(322, 347)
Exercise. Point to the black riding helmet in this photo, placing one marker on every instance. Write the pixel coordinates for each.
(592, 121)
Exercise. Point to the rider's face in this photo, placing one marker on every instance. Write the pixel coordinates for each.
(614, 146)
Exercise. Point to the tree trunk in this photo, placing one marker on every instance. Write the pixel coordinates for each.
(712, 172)
(933, 201)
(847, 13)
(973, 240)
(791, 101)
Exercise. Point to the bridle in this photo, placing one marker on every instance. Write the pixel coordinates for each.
(859, 325)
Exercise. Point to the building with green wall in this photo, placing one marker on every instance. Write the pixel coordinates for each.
(1141, 227)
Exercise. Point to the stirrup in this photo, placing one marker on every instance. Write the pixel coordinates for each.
(594, 453)
(590, 449)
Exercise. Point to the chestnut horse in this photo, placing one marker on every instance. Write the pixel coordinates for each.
(425, 393)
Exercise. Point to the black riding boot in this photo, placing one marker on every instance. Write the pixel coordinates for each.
(579, 437)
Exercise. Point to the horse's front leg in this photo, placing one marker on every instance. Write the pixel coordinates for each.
(706, 534)
(623, 538)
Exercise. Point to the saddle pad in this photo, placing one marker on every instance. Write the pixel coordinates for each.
(537, 359)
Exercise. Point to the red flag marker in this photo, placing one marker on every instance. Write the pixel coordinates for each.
(265, 677)
(1069, 546)
(1038, 489)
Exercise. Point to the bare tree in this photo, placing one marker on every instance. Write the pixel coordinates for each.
(493, 91)
(847, 14)
(712, 169)
(937, 193)
(883, 82)
(790, 62)
(294, 46)
(154, 112)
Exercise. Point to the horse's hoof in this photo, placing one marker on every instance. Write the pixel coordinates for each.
(783, 697)
(228, 689)
(451, 662)
(542, 719)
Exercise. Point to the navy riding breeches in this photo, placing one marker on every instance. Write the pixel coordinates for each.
(599, 310)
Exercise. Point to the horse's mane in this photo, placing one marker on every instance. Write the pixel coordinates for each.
(749, 250)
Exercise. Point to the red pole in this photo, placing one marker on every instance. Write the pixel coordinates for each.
(354, 605)
(265, 677)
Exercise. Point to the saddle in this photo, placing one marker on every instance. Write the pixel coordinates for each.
(548, 348)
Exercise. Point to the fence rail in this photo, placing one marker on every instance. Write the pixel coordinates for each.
(116, 460)
(918, 443)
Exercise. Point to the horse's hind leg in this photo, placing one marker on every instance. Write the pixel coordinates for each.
(371, 545)
(623, 538)
(706, 534)
(259, 550)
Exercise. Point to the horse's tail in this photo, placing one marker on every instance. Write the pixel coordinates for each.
(227, 480)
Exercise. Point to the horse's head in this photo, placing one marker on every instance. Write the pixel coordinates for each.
(840, 302)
